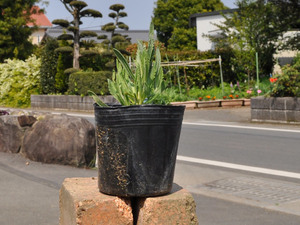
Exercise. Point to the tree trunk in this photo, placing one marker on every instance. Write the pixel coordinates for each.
(76, 53)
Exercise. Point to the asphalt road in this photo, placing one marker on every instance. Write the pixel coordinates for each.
(277, 149)
(29, 191)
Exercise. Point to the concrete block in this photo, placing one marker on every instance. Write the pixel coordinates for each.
(290, 115)
(297, 104)
(297, 116)
(176, 208)
(279, 115)
(277, 103)
(290, 103)
(260, 114)
(81, 203)
(260, 103)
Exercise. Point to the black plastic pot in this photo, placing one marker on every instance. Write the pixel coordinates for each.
(137, 148)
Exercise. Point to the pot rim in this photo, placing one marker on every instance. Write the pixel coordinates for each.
(96, 106)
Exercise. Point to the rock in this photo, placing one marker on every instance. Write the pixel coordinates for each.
(60, 139)
(26, 120)
(11, 134)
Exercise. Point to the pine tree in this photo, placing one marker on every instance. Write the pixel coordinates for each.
(116, 40)
(76, 9)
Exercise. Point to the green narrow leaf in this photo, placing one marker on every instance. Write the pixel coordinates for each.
(97, 99)
(124, 63)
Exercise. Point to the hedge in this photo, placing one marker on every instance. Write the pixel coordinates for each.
(81, 82)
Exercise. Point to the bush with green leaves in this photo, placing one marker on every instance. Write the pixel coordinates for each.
(81, 82)
(48, 66)
(287, 84)
(18, 80)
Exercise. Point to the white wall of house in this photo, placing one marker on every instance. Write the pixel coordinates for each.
(37, 36)
(205, 26)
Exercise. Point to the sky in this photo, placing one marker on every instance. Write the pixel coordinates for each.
(139, 12)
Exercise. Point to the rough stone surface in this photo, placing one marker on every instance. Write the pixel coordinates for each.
(11, 134)
(176, 208)
(278, 115)
(260, 103)
(25, 120)
(81, 203)
(60, 139)
(260, 114)
(277, 103)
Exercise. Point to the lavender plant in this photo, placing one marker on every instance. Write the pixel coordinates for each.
(141, 83)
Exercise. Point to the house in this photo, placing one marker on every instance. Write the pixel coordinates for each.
(135, 35)
(42, 23)
(204, 23)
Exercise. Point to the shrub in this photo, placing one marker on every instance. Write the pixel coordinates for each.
(48, 66)
(288, 83)
(81, 82)
(18, 80)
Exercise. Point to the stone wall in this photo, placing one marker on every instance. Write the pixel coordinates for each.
(67, 102)
(275, 109)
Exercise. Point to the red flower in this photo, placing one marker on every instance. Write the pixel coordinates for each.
(224, 97)
(200, 98)
(272, 80)
(236, 96)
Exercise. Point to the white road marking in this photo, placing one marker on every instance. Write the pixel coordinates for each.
(239, 167)
(240, 127)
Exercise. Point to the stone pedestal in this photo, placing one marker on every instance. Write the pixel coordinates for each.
(81, 203)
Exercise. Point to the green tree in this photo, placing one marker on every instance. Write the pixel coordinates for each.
(171, 14)
(289, 13)
(14, 32)
(116, 40)
(48, 66)
(76, 9)
(64, 62)
(255, 27)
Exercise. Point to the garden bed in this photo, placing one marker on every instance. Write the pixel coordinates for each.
(214, 103)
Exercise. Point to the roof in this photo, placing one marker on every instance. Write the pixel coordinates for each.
(192, 19)
(135, 35)
(40, 18)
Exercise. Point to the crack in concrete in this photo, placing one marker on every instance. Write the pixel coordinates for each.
(30, 177)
